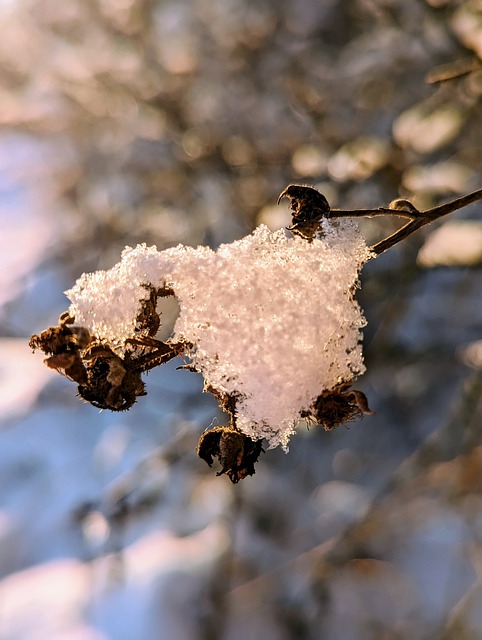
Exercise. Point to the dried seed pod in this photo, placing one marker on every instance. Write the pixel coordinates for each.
(111, 383)
(64, 344)
(308, 207)
(62, 338)
(337, 406)
(236, 452)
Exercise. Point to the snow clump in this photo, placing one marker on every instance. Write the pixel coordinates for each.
(272, 318)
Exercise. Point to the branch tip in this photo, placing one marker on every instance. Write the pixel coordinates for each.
(309, 206)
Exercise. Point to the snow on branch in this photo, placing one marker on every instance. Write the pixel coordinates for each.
(270, 321)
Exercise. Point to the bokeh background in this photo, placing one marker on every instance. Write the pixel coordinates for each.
(167, 121)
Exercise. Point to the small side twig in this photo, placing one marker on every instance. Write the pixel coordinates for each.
(307, 212)
(425, 217)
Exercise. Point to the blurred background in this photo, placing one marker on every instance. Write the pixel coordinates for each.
(167, 121)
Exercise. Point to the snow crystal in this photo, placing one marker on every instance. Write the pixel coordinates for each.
(272, 317)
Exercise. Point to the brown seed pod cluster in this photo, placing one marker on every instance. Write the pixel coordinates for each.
(337, 406)
(106, 379)
(112, 381)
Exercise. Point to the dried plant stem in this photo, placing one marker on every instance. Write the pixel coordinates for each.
(417, 219)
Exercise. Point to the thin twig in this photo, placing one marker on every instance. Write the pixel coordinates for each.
(370, 213)
(417, 219)
(309, 206)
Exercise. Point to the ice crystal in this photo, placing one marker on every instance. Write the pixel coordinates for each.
(272, 318)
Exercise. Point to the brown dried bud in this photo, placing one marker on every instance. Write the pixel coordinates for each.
(61, 339)
(110, 383)
(337, 406)
(236, 452)
(308, 207)
(400, 204)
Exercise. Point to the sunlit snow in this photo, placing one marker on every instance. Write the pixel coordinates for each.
(272, 317)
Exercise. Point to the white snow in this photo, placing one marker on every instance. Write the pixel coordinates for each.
(272, 317)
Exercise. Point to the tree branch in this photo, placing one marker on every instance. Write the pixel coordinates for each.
(308, 206)
(425, 217)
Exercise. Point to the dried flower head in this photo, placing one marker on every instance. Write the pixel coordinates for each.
(236, 452)
(337, 406)
(106, 378)
(308, 207)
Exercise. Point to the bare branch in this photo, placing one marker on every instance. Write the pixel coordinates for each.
(371, 213)
(308, 207)
(425, 217)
